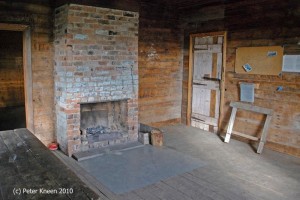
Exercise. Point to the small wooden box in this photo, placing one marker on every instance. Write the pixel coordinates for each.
(157, 138)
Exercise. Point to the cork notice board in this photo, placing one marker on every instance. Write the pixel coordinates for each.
(259, 60)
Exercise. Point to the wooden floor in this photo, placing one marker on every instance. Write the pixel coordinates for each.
(28, 170)
(233, 171)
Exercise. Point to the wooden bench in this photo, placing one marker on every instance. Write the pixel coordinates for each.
(252, 108)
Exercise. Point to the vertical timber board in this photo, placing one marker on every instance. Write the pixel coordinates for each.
(222, 80)
(28, 79)
(215, 73)
(189, 100)
(217, 107)
(219, 65)
(230, 125)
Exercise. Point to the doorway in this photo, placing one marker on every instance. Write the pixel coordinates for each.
(206, 80)
(16, 77)
(12, 99)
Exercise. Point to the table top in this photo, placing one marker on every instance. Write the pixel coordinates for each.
(29, 170)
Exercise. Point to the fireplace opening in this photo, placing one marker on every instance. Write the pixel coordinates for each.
(104, 123)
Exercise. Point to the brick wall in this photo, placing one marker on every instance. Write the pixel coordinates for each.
(39, 17)
(160, 62)
(256, 23)
(95, 60)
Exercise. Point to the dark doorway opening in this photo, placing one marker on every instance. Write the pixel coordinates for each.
(12, 98)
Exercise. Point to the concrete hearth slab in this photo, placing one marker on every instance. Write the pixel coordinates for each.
(138, 167)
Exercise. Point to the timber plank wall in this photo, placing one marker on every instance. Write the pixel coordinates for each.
(255, 23)
(160, 61)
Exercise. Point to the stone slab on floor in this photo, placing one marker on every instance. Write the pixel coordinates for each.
(124, 171)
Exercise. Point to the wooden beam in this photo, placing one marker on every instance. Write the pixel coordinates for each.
(221, 33)
(13, 27)
(189, 100)
(230, 125)
(264, 134)
(211, 48)
(245, 136)
(252, 108)
(28, 79)
(222, 82)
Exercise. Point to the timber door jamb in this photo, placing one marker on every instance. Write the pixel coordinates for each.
(190, 74)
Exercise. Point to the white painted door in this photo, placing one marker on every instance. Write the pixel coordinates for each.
(207, 65)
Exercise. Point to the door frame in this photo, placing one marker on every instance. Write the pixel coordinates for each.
(27, 68)
(190, 74)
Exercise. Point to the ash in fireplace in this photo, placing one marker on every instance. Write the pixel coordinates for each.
(101, 133)
(98, 130)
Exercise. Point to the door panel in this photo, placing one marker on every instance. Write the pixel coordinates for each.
(202, 65)
(207, 66)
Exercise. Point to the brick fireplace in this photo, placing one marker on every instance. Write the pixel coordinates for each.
(96, 77)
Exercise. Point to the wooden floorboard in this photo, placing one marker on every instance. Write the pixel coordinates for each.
(129, 196)
(232, 185)
(171, 193)
(211, 190)
(145, 194)
(187, 187)
(157, 192)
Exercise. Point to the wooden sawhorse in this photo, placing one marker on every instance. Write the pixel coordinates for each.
(249, 107)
